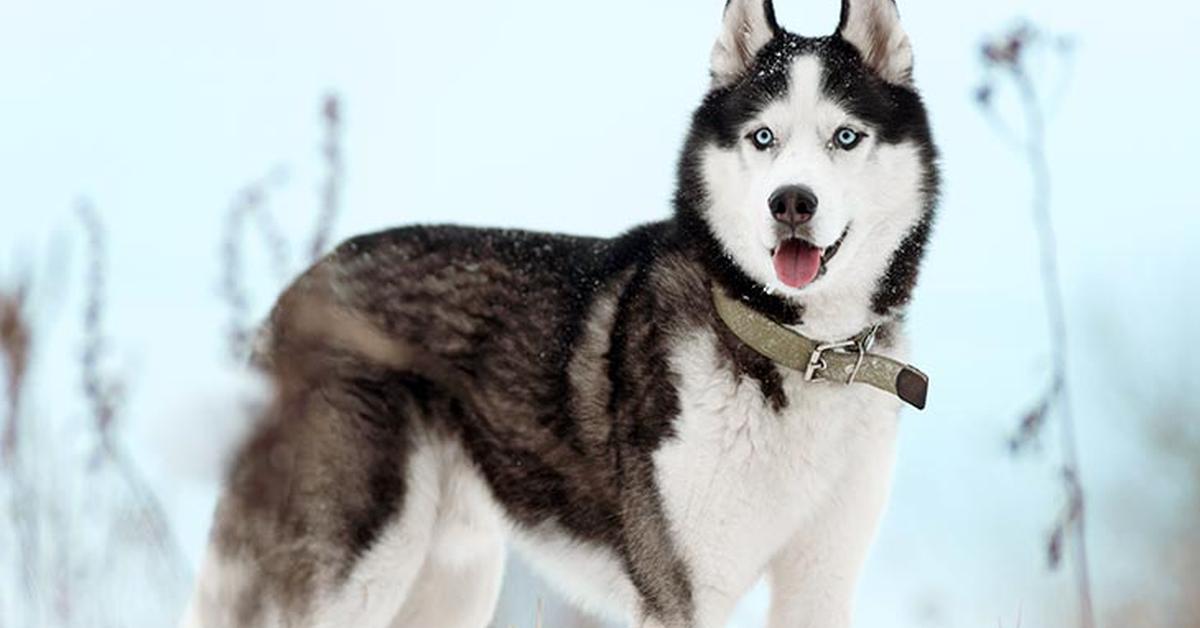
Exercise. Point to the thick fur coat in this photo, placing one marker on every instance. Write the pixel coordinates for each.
(445, 393)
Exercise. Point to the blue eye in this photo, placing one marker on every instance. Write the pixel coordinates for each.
(847, 138)
(763, 138)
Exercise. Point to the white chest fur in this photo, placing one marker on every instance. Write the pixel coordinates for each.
(741, 480)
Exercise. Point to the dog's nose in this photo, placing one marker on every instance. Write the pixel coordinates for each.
(793, 205)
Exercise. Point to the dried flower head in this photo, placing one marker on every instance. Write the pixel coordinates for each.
(331, 114)
(1009, 48)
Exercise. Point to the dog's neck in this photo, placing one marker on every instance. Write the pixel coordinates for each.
(828, 313)
(838, 313)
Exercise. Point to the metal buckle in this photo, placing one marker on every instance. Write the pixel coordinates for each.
(816, 362)
(860, 346)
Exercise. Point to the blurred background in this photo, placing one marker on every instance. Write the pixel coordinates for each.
(164, 166)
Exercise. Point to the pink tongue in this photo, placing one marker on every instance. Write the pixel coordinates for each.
(797, 263)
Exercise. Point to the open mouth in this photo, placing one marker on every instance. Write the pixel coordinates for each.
(798, 263)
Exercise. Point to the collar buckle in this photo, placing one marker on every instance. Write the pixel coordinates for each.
(816, 362)
(860, 346)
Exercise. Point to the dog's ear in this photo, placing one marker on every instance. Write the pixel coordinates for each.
(749, 25)
(873, 27)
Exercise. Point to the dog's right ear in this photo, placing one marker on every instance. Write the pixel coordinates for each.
(749, 25)
(873, 27)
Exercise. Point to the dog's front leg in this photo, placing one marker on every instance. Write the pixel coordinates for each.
(649, 622)
(811, 588)
(814, 577)
(707, 610)
(700, 621)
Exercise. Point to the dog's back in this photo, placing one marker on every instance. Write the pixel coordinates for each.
(443, 390)
(435, 386)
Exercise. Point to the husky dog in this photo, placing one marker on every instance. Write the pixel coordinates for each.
(445, 393)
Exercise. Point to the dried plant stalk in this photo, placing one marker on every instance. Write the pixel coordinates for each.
(104, 395)
(1008, 57)
(15, 335)
(331, 113)
(102, 392)
(233, 289)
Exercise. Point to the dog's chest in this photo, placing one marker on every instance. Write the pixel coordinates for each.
(741, 477)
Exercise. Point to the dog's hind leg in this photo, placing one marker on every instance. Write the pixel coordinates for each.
(391, 571)
(330, 509)
(459, 583)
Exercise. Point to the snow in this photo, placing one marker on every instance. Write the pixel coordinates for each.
(161, 113)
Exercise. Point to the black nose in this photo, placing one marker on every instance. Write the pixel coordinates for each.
(793, 204)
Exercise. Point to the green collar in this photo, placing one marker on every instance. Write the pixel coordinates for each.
(847, 362)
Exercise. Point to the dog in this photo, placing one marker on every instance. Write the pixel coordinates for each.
(655, 421)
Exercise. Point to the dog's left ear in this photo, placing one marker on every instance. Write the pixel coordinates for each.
(873, 27)
(749, 25)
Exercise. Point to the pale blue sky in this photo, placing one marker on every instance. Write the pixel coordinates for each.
(568, 116)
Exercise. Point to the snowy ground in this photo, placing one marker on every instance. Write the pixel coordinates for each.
(159, 114)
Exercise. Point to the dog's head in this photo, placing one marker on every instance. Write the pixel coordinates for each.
(809, 172)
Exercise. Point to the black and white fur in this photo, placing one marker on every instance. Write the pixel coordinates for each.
(444, 392)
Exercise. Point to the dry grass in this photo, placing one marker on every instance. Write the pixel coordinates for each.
(249, 204)
(81, 529)
(1174, 439)
(15, 338)
(1156, 503)
(78, 527)
(104, 393)
(249, 212)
